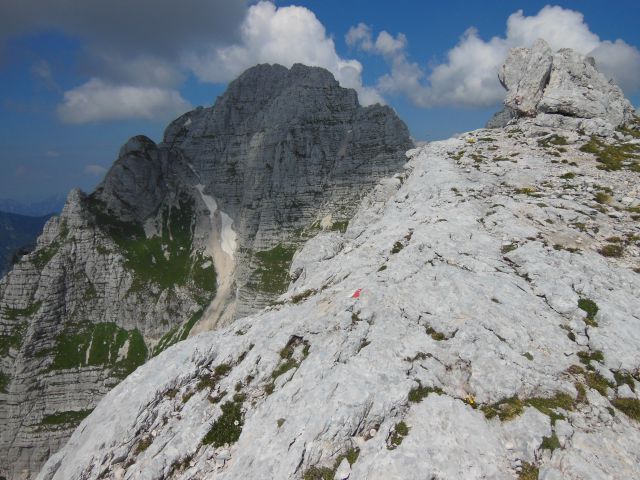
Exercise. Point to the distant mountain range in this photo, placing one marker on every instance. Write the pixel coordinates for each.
(49, 205)
(17, 233)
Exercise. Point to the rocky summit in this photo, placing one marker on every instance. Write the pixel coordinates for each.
(477, 318)
(180, 237)
(560, 89)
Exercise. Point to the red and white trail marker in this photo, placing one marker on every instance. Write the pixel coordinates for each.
(356, 294)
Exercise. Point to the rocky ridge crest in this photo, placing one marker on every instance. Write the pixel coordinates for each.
(477, 319)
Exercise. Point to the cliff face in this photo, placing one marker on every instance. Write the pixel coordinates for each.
(477, 319)
(180, 236)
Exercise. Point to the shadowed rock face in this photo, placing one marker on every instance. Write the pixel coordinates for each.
(185, 234)
(562, 88)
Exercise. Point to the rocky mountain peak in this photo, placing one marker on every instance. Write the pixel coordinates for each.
(560, 89)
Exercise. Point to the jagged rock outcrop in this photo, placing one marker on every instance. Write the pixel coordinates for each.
(562, 89)
(477, 319)
(185, 234)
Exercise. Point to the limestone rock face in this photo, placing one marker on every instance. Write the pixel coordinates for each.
(525, 75)
(477, 319)
(180, 236)
(280, 150)
(562, 87)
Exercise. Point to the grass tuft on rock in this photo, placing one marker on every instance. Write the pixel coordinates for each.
(400, 431)
(529, 472)
(227, 427)
(419, 393)
(629, 406)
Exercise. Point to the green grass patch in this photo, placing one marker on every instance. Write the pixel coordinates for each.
(629, 406)
(318, 473)
(587, 357)
(529, 472)
(505, 410)
(591, 308)
(550, 443)
(508, 248)
(397, 247)
(65, 418)
(400, 431)
(602, 197)
(624, 378)
(530, 191)
(598, 382)
(552, 140)
(272, 268)
(143, 444)
(227, 427)
(437, 336)
(326, 473)
(99, 344)
(548, 405)
(302, 296)
(611, 250)
(419, 393)
(340, 226)
(613, 157)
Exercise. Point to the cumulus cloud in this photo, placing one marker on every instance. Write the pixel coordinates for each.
(94, 170)
(284, 35)
(468, 77)
(97, 100)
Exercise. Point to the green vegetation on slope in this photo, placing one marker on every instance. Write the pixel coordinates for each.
(166, 260)
(70, 418)
(272, 269)
(99, 344)
(614, 157)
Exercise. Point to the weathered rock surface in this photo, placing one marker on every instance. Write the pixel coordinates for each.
(565, 86)
(185, 234)
(474, 321)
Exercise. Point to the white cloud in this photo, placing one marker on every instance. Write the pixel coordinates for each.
(94, 170)
(97, 100)
(620, 61)
(385, 45)
(468, 77)
(284, 35)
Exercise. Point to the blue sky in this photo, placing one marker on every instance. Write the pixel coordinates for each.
(77, 82)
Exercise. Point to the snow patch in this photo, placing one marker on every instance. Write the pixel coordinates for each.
(228, 237)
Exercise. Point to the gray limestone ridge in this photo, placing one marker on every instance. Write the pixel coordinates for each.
(478, 317)
(180, 237)
(560, 89)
